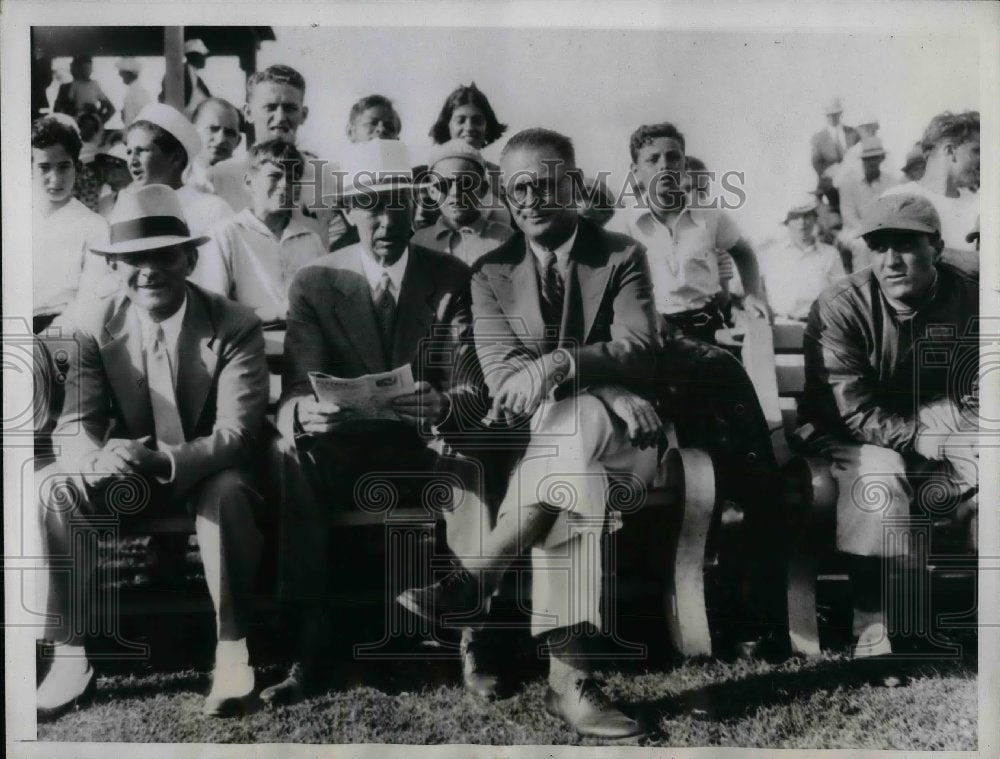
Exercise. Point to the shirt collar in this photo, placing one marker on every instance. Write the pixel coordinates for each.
(296, 224)
(373, 271)
(443, 229)
(642, 210)
(171, 325)
(562, 252)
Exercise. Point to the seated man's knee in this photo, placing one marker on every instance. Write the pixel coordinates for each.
(230, 491)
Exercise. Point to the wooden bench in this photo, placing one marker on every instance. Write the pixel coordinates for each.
(685, 499)
(775, 362)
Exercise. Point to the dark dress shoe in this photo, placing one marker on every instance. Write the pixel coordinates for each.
(477, 676)
(50, 712)
(590, 712)
(456, 600)
(291, 690)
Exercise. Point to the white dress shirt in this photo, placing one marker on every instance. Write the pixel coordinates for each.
(374, 271)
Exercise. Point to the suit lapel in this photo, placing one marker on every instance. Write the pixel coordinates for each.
(196, 362)
(414, 312)
(591, 274)
(355, 312)
(516, 286)
(123, 362)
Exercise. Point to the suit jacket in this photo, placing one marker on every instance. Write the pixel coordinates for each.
(332, 328)
(222, 385)
(826, 153)
(608, 321)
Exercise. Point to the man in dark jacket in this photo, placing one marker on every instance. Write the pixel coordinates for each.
(884, 396)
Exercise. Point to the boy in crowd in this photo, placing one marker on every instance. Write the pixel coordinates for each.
(252, 257)
(456, 182)
(275, 108)
(63, 229)
(373, 117)
(683, 243)
(160, 143)
(951, 182)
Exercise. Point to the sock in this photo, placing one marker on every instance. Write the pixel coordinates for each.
(232, 653)
(70, 657)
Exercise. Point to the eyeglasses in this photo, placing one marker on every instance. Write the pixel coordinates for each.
(543, 189)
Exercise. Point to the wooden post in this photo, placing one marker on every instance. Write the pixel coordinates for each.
(173, 51)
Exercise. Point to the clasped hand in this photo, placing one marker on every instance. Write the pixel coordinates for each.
(120, 457)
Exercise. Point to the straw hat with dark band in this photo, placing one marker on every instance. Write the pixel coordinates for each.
(146, 219)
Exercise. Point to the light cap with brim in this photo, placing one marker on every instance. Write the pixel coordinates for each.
(833, 105)
(908, 213)
(146, 219)
(169, 119)
(804, 205)
(375, 166)
(456, 149)
(195, 46)
(871, 147)
(129, 64)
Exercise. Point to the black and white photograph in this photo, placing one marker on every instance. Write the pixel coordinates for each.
(500, 379)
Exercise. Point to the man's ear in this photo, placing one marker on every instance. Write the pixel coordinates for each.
(246, 179)
(305, 114)
(192, 259)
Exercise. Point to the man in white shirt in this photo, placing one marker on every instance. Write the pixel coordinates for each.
(159, 144)
(857, 194)
(218, 124)
(798, 268)
(253, 256)
(136, 96)
(63, 229)
(684, 244)
(951, 182)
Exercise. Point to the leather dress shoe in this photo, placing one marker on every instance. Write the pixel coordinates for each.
(477, 676)
(232, 693)
(588, 709)
(65, 687)
(294, 688)
(455, 599)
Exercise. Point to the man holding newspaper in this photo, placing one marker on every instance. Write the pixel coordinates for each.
(365, 387)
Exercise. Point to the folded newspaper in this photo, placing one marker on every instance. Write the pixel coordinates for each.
(370, 396)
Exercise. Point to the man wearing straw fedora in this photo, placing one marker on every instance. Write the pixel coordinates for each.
(165, 402)
(368, 308)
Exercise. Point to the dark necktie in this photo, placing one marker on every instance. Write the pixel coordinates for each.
(553, 292)
(385, 310)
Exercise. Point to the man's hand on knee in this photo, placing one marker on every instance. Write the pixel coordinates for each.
(645, 428)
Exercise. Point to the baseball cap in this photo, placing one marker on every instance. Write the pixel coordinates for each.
(911, 213)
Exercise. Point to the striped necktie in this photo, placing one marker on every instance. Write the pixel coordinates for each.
(553, 291)
(385, 310)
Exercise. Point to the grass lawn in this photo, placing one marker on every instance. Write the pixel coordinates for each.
(825, 703)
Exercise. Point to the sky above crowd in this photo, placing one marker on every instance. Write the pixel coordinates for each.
(746, 101)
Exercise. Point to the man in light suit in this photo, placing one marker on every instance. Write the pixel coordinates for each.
(829, 146)
(565, 332)
(165, 401)
(368, 308)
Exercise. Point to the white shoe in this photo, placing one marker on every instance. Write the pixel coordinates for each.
(873, 641)
(69, 683)
(232, 691)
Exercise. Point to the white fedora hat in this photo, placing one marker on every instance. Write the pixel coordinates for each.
(375, 166)
(195, 46)
(148, 218)
(176, 123)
